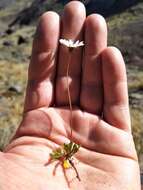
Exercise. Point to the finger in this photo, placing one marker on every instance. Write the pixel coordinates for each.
(42, 66)
(116, 108)
(91, 98)
(72, 28)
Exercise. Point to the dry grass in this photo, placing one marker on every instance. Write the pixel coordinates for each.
(137, 123)
(11, 75)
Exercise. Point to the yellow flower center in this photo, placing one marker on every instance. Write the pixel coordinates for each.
(66, 164)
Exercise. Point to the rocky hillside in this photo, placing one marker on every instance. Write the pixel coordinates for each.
(107, 8)
(29, 11)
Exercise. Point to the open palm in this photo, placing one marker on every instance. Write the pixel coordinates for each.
(100, 122)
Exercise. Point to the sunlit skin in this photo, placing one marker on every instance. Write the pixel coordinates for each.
(100, 119)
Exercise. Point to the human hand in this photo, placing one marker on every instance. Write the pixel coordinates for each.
(101, 121)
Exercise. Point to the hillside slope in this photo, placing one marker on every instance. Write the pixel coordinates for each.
(31, 10)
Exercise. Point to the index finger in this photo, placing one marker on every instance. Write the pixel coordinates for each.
(43, 62)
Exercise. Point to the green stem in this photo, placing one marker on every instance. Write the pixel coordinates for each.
(77, 174)
(69, 94)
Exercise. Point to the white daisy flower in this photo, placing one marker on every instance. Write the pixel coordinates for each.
(71, 44)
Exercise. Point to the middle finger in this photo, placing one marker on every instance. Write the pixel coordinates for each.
(72, 28)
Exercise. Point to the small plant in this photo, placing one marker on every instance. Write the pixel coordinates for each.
(65, 153)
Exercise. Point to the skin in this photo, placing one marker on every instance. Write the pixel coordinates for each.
(101, 119)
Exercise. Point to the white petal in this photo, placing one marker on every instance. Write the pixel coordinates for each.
(71, 43)
(81, 43)
(76, 43)
(67, 43)
(62, 41)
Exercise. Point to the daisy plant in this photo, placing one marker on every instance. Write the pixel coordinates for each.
(65, 152)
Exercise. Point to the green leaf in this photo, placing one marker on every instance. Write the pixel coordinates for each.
(71, 148)
(57, 154)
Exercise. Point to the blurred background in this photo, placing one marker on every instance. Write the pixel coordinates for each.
(18, 20)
